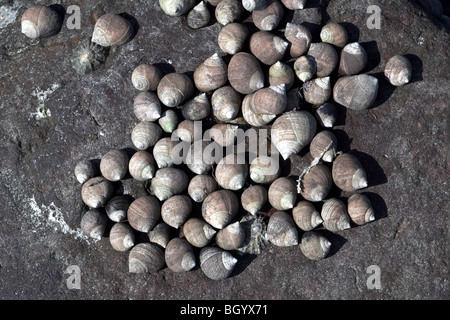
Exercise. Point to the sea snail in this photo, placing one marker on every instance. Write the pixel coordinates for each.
(112, 30)
(40, 21)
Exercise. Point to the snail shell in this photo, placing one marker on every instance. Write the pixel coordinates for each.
(40, 21)
(232, 37)
(231, 172)
(146, 77)
(282, 193)
(201, 186)
(112, 30)
(324, 146)
(142, 166)
(231, 237)
(326, 115)
(360, 209)
(398, 70)
(335, 34)
(198, 160)
(162, 152)
(179, 255)
(147, 107)
(294, 4)
(168, 182)
(224, 134)
(317, 91)
(121, 236)
(326, 58)
(305, 68)
(226, 103)
(176, 210)
(96, 192)
(314, 246)
(251, 5)
(211, 74)
(292, 131)
(175, 88)
(145, 257)
(316, 183)
(271, 100)
(281, 73)
(348, 173)
(269, 18)
(114, 165)
(267, 47)
(353, 59)
(356, 92)
(85, 170)
(160, 234)
(299, 38)
(281, 230)
(185, 131)
(264, 169)
(229, 11)
(176, 8)
(199, 16)
(143, 213)
(214, 3)
(117, 207)
(305, 215)
(334, 215)
(145, 135)
(251, 116)
(197, 108)
(198, 232)
(254, 198)
(219, 208)
(216, 263)
(245, 73)
(168, 121)
(93, 223)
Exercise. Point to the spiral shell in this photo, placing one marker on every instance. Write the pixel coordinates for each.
(211, 74)
(114, 165)
(176, 210)
(326, 115)
(231, 237)
(160, 234)
(281, 230)
(251, 116)
(201, 186)
(168, 121)
(176, 8)
(317, 91)
(198, 159)
(316, 183)
(264, 169)
(269, 18)
(174, 88)
(305, 68)
(281, 73)
(198, 232)
(314, 246)
(142, 166)
(147, 107)
(40, 21)
(162, 152)
(251, 5)
(334, 33)
(231, 172)
(93, 223)
(117, 208)
(294, 4)
(245, 73)
(226, 103)
(299, 38)
(112, 30)
(199, 16)
(232, 37)
(254, 198)
(334, 215)
(271, 100)
(143, 213)
(398, 70)
(326, 58)
(216, 263)
(185, 131)
(267, 47)
(305, 215)
(282, 193)
(179, 255)
(85, 170)
(145, 257)
(168, 182)
(121, 236)
(145, 135)
(146, 77)
(324, 146)
(356, 92)
(348, 173)
(353, 59)
(96, 192)
(223, 134)
(219, 208)
(292, 131)
(197, 108)
(360, 209)
(229, 11)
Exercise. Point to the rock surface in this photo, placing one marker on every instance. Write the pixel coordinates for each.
(51, 118)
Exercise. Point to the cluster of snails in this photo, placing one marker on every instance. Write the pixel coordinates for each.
(228, 205)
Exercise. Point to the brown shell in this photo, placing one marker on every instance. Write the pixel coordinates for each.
(147, 107)
(201, 186)
(267, 47)
(96, 192)
(282, 193)
(360, 209)
(179, 255)
(145, 135)
(251, 5)
(316, 183)
(117, 207)
(251, 116)
(231, 237)
(270, 100)
(356, 92)
(114, 165)
(281, 73)
(40, 21)
(264, 169)
(168, 121)
(199, 16)
(353, 59)
(143, 213)
(145, 257)
(326, 115)
(176, 210)
(121, 236)
(211, 74)
(198, 232)
(185, 131)
(254, 198)
(314, 245)
(219, 208)
(93, 223)
(112, 30)
(198, 159)
(245, 73)
(216, 263)
(160, 234)
(324, 146)
(317, 91)
(326, 58)
(231, 172)
(197, 108)
(305, 215)
(398, 70)
(232, 37)
(168, 182)
(281, 230)
(294, 4)
(176, 8)
(175, 88)
(348, 173)
(213, 2)
(162, 152)
(334, 33)
(334, 215)
(224, 134)
(142, 166)
(146, 77)
(229, 11)
(305, 68)
(226, 103)
(85, 170)
(269, 18)
(299, 38)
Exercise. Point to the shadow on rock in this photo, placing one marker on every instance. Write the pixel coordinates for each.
(373, 55)
(133, 22)
(385, 89)
(375, 173)
(378, 205)
(243, 262)
(352, 31)
(417, 67)
(337, 241)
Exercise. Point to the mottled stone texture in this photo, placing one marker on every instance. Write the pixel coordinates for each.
(402, 142)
